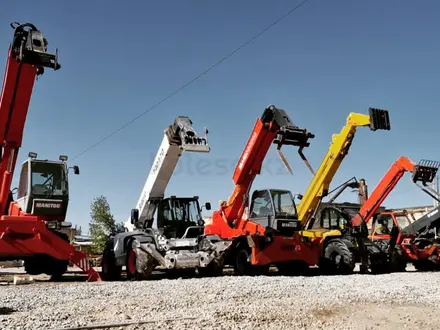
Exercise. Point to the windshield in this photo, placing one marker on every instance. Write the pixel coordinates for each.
(186, 210)
(48, 179)
(402, 221)
(385, 223)
(284, 205)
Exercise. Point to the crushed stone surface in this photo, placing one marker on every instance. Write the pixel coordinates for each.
(391, 301)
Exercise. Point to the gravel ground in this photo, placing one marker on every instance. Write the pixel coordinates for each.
(389, 301)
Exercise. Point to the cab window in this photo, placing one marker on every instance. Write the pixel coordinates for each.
(23, 185)
(261, 205)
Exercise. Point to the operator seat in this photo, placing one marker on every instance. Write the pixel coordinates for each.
(39, 189)
(264, 211)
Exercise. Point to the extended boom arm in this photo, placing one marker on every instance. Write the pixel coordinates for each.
(274, 127)
(27, 59)
(318, 188)
(424, 172)
(178, 137)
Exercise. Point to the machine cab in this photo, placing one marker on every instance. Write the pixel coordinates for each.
(338, 216)
(335, 218)
(276, 209)
(43, 187)
(179, 217)
(385, 222)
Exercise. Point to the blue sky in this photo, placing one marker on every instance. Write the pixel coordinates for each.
(325, 60)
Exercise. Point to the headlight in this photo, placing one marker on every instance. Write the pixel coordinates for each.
(52, 225)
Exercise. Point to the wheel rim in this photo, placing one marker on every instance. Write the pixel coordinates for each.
(336, 259)
(131, 264)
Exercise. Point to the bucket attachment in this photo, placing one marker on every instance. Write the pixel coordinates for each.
(425, 171)
(379, 119)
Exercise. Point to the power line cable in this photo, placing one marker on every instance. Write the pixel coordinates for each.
(194, 79)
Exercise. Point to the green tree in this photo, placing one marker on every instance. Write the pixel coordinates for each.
(102, 223)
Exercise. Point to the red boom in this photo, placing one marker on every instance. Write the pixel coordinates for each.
(23, 234)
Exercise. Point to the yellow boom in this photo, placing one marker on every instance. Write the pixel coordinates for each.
(318, 188)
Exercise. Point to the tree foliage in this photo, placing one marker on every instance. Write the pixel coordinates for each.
(102, 223)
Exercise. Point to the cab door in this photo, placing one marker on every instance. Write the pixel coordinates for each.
(261, 210)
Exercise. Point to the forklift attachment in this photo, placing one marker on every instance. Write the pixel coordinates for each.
(289, 134)
(30, 47)
(284, 161)
(379, 119)
(182, 133)
(425, 171)
(294, 136)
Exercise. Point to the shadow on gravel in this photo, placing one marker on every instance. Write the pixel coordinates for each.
(6, 310)
(161, 274)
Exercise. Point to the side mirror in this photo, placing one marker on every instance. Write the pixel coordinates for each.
(208, 206)
(76, 170)
(134, 216)
(299, 196)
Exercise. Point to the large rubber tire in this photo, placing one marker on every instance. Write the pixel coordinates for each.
(45, 264)
(338, 259)
(379, 266)
(214, 269)
(131, 269)
(32, 266)
(293, 268)
(176, 273)
(57, 268)
(397, 261)
(243, 266)
(110, 272)
(424, 265)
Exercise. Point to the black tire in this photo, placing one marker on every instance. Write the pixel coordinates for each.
(379, 266)
(57, 268)
(338, 259)
(131, 269)
(243, 267)
(397, 261)
(32, 266)
(293, 268)
(44, 264)
(214, 269)
(110, 272)
(424, 265)
(181, 273)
